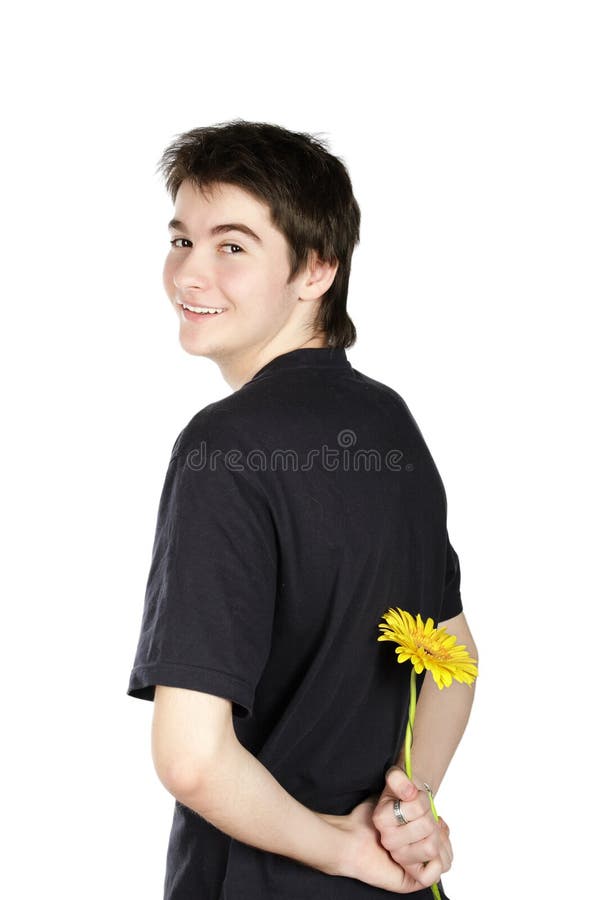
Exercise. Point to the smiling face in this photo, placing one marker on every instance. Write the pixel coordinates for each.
(226, 254)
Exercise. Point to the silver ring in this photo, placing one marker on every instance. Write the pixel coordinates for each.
(398, 813)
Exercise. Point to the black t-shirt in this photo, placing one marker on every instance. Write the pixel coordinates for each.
(294, 513)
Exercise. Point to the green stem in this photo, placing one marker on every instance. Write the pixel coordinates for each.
(411, 721)
(412, 706)
(434, 888)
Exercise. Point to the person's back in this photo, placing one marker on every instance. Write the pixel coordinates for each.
(295, 512)
(354, 522)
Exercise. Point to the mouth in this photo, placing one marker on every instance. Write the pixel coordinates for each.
(194, 313)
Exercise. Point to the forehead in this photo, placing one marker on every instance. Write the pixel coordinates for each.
(194, 206)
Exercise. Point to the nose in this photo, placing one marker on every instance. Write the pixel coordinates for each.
(191, 273)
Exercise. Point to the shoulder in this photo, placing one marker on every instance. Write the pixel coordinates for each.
(211, 454)
(218, 422)
(383, 393)
(376, 386)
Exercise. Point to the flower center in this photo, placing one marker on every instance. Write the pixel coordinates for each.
(433, 649)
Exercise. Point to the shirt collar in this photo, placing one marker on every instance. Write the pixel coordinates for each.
(314, 357)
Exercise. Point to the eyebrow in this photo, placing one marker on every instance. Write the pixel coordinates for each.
(178, 225)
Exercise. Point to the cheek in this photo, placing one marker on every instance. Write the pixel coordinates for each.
(167, 274)
(243, 285)
(263, 285)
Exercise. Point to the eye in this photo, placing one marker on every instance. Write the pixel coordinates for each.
(174, 241)
(232, 245)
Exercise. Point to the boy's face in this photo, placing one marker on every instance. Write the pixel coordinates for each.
(245, 276)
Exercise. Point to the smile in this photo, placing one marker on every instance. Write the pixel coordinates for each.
(203, 310)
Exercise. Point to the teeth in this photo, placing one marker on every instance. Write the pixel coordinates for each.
(203, 309)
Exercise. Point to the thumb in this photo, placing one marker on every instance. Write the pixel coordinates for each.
(443, 825)
(400, 784)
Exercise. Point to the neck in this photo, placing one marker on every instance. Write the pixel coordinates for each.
(237, 371)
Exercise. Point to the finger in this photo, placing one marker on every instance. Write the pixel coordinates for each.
(395, 833)
(446, 858)
(396, 837)
(384, 816)
(432, 868)
(419, 806)
(446, 852)
(399, 784)
(419, 852)
(426, 874)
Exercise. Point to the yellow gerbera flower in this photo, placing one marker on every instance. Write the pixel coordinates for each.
(428, 648)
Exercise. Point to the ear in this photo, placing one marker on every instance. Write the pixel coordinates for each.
(318, 277)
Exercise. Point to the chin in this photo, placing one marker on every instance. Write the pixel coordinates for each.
(194, 346)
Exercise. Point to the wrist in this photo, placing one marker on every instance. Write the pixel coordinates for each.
(425, 783)
(417, 777)
(338, 858)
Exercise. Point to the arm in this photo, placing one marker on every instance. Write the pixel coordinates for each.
(238, 795)
(441, 717)
(200, 761)
(202, 764)
(440, 720)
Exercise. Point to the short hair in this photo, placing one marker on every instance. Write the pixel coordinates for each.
(307, 189)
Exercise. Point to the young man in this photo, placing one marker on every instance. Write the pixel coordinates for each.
(294, 513)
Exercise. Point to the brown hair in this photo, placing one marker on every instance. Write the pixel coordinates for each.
(307, 189)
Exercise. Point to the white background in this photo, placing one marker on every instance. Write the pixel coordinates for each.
(470, 130)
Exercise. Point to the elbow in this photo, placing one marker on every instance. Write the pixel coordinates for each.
(473, 650)
(180, 782)
(465, 636)
(181, 773)
(459, 627)
(191, 730)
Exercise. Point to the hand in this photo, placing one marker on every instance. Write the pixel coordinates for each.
(366, 859)
(422, 846)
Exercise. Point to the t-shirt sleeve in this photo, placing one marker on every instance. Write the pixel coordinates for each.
(210, 594)
(452, 601)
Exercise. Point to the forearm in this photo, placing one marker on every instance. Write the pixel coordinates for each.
(441, 716)
(440, 720)
(239, 796)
